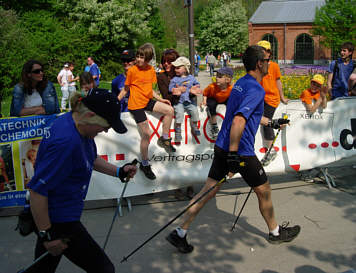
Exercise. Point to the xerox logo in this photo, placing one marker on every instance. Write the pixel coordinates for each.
(348, 138)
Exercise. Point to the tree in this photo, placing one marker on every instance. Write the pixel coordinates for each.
(335, 22)
(14, 49)
(223, 27)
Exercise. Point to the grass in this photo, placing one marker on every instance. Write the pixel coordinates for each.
(6, 103)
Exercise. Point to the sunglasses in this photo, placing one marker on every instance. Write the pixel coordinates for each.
(37, 71)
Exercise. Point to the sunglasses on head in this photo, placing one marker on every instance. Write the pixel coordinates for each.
(37, 71)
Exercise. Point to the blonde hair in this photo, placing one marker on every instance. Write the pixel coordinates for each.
(79, 107)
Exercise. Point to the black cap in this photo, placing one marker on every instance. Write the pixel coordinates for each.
(105, 104)
(128, 55)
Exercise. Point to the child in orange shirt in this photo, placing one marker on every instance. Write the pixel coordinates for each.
(217, 93)
(272, 85)
(139, 81)
(316, 93)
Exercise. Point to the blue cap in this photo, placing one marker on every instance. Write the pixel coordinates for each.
(226, 71)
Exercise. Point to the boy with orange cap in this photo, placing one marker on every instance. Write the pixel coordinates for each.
(316, 93)
(272, 85)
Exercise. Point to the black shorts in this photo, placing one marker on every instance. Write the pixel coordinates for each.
(268, 112)
(140, 115)
(253, 173)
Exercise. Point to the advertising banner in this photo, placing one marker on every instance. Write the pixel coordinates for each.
(311, 140)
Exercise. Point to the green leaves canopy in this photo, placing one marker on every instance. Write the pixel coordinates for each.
(223, 26)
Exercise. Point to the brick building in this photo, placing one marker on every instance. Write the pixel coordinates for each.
(287, 25)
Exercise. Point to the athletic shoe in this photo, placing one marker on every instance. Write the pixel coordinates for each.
(178, 135)
(166, 144)
(180, 243)
(266, 160)
(214, 130)
(195, 130)
(286, 234)
(147, 171)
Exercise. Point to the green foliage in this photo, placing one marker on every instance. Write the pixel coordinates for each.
(14, 48)
(223, 26)
(335, 22)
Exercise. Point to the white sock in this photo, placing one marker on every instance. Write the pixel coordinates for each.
(181, 232)
(275, 231)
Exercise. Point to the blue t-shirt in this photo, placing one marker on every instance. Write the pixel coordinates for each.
(187, 81)
(247, 98)
(116, 85)
(340, 86)
(94, 71)
(63, 168)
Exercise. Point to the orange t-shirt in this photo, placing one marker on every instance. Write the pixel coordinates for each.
(269, 84)
(214, 91)
(140, 82)
(307, 96)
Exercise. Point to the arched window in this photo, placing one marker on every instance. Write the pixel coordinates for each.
(304, 49)
(274, 45)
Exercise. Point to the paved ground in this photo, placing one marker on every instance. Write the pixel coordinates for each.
(327, 242)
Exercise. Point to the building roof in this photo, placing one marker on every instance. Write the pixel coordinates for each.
(284, 11)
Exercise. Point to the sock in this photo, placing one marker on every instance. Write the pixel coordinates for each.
(181, 232)
(165, 136)
(275, 231)
(145, 162)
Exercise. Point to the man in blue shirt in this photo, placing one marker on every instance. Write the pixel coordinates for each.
(128, 60)
(94, 71)
(235, 145)
(65, 161)
(340, 71)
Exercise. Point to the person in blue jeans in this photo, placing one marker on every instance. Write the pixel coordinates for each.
(65, 161)
(34, 94)
(128, 57)
(340, 71)
(187, 87)
(197, 60)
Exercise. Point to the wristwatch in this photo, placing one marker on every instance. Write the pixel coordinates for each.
(44, 235)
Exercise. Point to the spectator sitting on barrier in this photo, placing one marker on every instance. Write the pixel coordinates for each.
(65, 161)
(217, 93)
(34, 95)
(315, 96)
(163, 80)
(186, 87)
(128, 60)
(139, 82)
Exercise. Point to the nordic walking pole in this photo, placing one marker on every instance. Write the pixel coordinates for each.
(238, 216)
(124, 259)
(274, 140)
(33, 263)
(134, 162)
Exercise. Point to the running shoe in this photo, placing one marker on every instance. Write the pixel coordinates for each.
(166, 144)
(178, 134)
(180, 243)
(147, 171)
(214, 130)
(266, 160)
(286, 234)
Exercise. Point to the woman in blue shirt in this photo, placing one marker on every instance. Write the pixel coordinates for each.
(34, 95)
(63, 168)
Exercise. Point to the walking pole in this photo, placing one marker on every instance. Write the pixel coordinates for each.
(124, 259)
(134, 162)
(33, 263)
(238, 216)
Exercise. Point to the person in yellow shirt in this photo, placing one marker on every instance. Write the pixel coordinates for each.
(140, 79)
(272, 85)
(315, 96)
